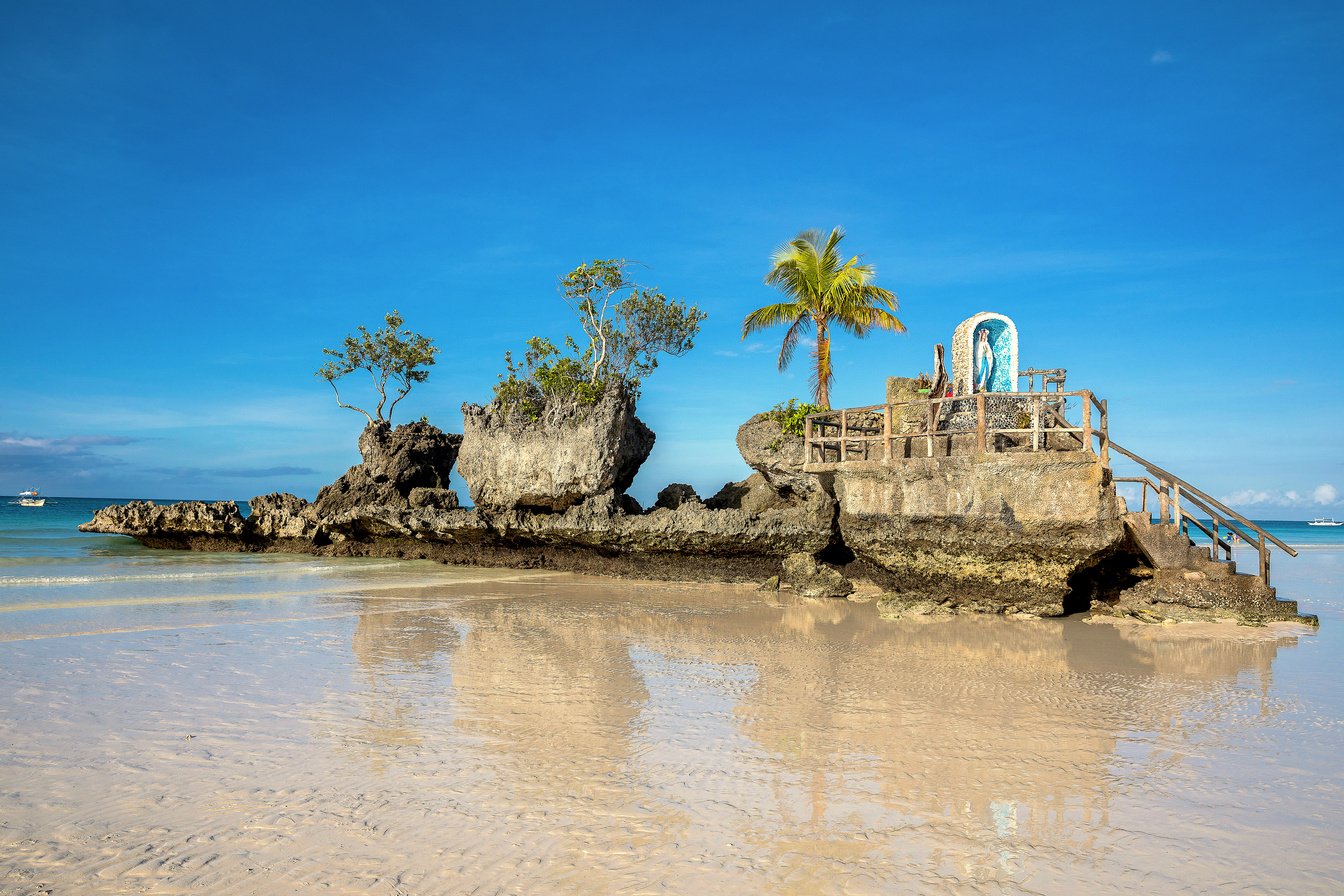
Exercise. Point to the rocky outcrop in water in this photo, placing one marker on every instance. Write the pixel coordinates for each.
(1037, 533)
(554, 463)
(194, 525)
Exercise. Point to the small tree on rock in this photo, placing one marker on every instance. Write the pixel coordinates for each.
(393, 358)
(626, 326)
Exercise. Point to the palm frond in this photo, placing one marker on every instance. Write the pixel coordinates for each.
(791, 339)
(772, 315)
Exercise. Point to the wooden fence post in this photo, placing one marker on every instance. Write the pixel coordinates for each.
(1105, 435)
(980, 421)
(1087, 421)
(886, 434)
(844, 425)
(1035, 423)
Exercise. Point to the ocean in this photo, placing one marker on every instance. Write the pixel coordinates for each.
(234, 723)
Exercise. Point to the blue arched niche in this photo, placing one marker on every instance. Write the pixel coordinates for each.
(1001, 341)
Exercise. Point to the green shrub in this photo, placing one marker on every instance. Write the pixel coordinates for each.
(627, 327)
(791, 415)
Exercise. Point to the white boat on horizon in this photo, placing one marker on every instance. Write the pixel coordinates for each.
(31, 498)
(1324, 521)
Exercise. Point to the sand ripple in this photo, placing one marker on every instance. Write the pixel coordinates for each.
(557, 735)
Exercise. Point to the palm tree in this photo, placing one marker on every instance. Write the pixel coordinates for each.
(823, 290)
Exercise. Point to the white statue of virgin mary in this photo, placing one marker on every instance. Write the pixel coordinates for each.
(984, 360)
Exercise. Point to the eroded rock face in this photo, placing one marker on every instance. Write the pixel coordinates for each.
(984, 533)
(776, 456)
(281, 515)
(412, 461)
(184, 524)
(675, 495)
(812, 579)
(552, 465)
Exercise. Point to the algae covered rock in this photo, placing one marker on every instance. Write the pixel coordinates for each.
(985, 533)
(811, 579)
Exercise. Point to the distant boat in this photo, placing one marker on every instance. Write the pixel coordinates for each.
(30, 498)
(1323, 521)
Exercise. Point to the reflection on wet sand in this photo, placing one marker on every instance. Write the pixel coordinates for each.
(697, 739)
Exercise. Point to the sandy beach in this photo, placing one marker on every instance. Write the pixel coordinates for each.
(416, 729)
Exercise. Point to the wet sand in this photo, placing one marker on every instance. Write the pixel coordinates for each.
(539, 733)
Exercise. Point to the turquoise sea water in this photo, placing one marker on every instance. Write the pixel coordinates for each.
(55, 579)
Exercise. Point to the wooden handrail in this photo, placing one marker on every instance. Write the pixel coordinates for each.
(837, 430)
(1189, 490)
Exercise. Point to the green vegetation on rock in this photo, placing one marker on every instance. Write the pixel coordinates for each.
(388, 354)
(792, 415)
(626, 328)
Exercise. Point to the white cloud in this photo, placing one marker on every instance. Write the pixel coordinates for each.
(1161, 57)
(1247, 496)
(1325, 493)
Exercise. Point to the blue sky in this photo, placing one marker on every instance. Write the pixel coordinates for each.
(198, 197)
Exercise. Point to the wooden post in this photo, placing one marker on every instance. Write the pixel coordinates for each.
(928, 429)
(886, 434)
(1035, 423)
(1163, 503)
(1087, 421)
(1176, 504)
(844, 425)
(1143, 496)
(1264, 560)
(807, 438)
(980, 421)
(1105, 435)
(1213, 551)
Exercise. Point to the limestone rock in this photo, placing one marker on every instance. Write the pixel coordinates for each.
(432, 498)
(776, 456)
(755, 495)
(552, 464)
(395, 463)
(675, 495)
(281, 515)
(186, 518)
(811, 579)
(987, 533)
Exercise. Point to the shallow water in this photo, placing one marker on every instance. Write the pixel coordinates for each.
(263, 724)
(552, 734)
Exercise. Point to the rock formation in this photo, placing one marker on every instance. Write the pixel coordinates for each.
(402, 468)
(1040, 533)
(552, 464)
(193, 525)
(990, 533)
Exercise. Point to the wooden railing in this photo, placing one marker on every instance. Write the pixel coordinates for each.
(885, 432)
(888, 432)
(1175, 496)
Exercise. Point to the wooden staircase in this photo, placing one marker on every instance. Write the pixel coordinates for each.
(1168, 544)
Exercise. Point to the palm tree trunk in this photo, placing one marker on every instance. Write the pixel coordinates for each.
(823, 354)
